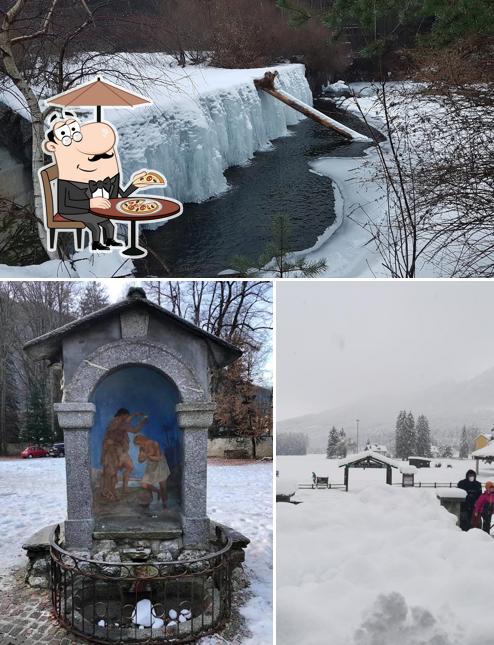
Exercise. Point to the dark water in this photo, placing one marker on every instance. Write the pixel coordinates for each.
(206, 238)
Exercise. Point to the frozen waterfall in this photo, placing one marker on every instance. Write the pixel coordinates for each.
(192, 137)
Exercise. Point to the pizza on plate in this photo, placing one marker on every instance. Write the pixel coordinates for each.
(139, 206)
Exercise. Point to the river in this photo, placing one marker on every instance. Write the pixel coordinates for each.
(208, 236)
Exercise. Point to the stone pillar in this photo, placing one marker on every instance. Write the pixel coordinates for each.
(194, 419)
(76, 421)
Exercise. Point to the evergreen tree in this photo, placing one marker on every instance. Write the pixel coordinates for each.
(37, 427)
(342, 447)
(423, 445)
(464, 446)
(333, 443)
(409, 438)
(93, 297)
(446, 452)
(400, 434)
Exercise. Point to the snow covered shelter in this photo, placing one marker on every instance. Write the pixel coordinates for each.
(368, 459)
(135, 414)
(484, 454)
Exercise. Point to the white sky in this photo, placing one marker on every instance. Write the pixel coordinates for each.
(341, 341)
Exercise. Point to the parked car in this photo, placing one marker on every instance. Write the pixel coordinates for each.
(34, 451)
(57, 450)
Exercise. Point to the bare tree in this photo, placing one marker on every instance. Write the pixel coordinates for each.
(45, 49)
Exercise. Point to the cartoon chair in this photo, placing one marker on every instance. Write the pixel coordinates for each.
(54, 221)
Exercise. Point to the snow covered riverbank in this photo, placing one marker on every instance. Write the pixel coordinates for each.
(33, 495)
(379, 565)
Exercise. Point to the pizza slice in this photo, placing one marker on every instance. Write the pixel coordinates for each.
(149, 178)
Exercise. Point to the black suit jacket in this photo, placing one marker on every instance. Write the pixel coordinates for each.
(73, 196)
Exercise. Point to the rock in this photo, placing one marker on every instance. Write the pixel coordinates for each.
(104, 545)
(158, 623)
(145, 616)
(164, 556)
(143, 613)
(38, 582)
(41, 567)
(138, 554)
(239, 579)
(170, 546)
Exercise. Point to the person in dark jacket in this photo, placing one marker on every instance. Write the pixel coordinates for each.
(473, 489)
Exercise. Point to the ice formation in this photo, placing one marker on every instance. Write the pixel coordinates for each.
(193, 138)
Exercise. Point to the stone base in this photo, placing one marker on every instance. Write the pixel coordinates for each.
(196, 532)
(131, 528)
(78, 534)
(37, 549)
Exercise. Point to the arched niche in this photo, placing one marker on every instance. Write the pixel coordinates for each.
(136, 446)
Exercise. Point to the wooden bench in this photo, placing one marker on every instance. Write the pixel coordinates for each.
(319, 482)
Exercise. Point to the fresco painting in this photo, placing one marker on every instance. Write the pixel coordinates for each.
(136, 446)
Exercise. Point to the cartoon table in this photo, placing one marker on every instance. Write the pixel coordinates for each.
(169, 210)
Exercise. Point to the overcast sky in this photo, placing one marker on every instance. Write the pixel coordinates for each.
(342, 341)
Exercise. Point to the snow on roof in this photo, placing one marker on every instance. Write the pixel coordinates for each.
(486, 451)
(408, 470)
(454, 493)
(486, 435)
(368, 453)
(286, 486)
(417, 457)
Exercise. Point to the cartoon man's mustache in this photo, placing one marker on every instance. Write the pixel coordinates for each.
(103, 155)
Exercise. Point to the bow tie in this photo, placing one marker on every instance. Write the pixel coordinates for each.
(96, 185)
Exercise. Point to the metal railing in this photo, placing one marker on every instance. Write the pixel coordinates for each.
(97, 600)
(427, 485)
(323, 486)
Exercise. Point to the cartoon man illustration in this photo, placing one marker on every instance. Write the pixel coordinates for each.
(88, 174)
(115, 455)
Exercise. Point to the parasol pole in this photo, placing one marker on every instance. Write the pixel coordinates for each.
(98, 108)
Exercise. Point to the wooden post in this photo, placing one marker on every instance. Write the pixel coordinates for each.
(267, 85)
(389, 475)
(346, 478)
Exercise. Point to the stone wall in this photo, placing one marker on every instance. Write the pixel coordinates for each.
(218, 445)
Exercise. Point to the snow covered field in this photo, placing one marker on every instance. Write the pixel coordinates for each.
(379, 565)
(33, 495)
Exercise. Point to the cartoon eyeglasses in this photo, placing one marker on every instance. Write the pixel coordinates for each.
(68, 132)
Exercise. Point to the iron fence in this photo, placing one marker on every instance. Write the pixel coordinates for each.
(182, 599)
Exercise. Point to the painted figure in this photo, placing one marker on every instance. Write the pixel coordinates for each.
(157, 470)
(89, 174)
(115, 456)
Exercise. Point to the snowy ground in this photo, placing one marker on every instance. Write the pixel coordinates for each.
(33, 495)
(379, 565)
